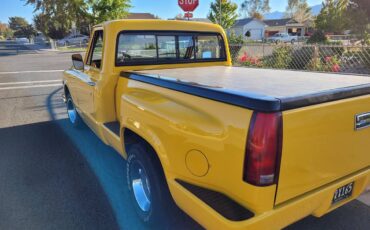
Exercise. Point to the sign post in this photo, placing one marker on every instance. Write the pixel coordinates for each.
(188, 6)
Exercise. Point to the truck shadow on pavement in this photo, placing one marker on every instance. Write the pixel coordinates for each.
(47, 184)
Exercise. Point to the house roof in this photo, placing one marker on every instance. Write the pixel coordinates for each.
(244, 21)
(140, 16)
(279, 22)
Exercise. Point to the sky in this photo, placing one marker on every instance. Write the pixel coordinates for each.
(162, 8)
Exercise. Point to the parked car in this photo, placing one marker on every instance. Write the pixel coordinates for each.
(282, 37)
(73, 40)
(235, 148)
(22, 40)
(40, 38)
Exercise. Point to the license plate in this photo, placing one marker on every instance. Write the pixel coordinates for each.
(343, 193)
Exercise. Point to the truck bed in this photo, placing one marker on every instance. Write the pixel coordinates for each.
(258, 89)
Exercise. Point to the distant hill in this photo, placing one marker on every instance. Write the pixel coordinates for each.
(277, 14)
(274, 15)
(316, 9)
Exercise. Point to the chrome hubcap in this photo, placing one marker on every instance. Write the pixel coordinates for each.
(140, 186)
(71, 110)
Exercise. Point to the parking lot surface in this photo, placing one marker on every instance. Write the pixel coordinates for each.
(55, 177)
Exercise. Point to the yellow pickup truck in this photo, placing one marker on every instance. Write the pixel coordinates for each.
(235, 148)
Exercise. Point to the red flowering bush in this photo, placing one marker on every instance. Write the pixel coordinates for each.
(331, 63)
(327, 64)
(246, 60)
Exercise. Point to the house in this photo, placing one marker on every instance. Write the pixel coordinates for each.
(141, 16)
(286, 25)
(252, 26)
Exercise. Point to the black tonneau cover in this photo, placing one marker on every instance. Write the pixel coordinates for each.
(257, 89)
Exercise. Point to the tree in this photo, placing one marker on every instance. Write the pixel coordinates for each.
(8, 33)
(52, 26)
(223, 13)
(55, 21)
(358, 14)
(27, 31)
(5, 31)
(17, 23)
(257, 15)
(253, 8)
(3, 27)
(104, 10)
(298, 10)
(332, 16)
(21, 27)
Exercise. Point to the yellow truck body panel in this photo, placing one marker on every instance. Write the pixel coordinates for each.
(201, 141)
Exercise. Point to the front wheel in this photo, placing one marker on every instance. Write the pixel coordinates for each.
(148, 188)
(73, 116)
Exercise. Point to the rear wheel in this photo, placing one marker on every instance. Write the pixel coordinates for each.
(148, 188)
(74, 117)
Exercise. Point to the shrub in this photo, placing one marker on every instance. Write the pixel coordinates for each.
(246, 60)
(366, 40)
(280, 58)
(301, 57)
(326, 64)
(235, 45)
(317, 37)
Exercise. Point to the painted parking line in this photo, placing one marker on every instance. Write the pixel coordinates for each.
(28, 82)
(30, 86)
(32, 71)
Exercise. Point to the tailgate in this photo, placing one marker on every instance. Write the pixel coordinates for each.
(321, 145)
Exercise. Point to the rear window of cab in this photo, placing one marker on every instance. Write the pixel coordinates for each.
(148, 48)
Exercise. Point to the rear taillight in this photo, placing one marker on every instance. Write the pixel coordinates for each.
(263, 151)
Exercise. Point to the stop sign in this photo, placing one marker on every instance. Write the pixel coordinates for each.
(188, 5)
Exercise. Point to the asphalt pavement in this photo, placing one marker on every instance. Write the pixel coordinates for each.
(55, 177)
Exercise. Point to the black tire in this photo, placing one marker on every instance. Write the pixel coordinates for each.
(162, 208)
(66, 43)
(292, 41)
(73, 116)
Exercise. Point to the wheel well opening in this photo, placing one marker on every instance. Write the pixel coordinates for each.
(131, 138)
(66, 91)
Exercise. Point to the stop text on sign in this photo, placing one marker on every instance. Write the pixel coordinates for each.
(188, 5)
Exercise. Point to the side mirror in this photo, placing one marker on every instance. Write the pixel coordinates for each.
(78, 62)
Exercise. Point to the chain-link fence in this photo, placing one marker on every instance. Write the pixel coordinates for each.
(324, 58)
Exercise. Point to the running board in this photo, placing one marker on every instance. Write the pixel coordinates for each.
(111, 133)
(113, 127)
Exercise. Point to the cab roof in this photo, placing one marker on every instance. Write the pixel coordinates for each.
(158, 24)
